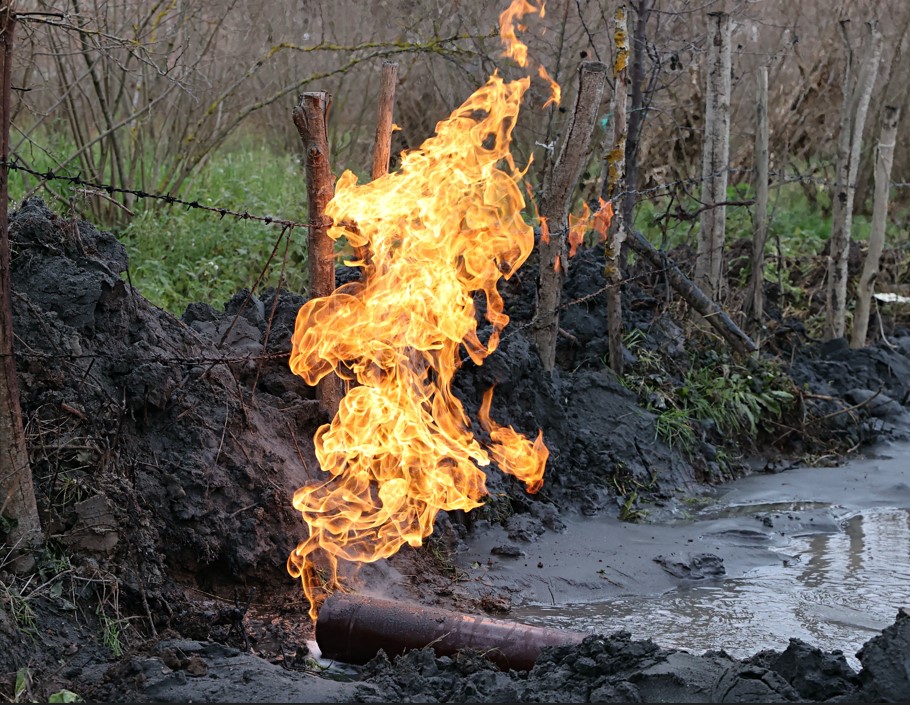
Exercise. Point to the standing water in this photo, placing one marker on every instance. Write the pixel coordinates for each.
(834, 591)
(834, 585)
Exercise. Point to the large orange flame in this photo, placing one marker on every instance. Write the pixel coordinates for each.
(446, 226)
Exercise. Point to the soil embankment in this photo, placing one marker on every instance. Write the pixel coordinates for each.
(166, 451)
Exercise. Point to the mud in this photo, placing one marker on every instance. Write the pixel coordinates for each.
(604, 668)
(166, 451)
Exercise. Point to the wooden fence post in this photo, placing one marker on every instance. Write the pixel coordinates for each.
(382, 143)
(715, 157)
(754, 301)
(382, 146)
(555, 201)
(857, 95)
(18, 508)
(310, 118)
(884, 158)
(614, 189)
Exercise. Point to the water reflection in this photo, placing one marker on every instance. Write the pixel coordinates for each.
(842, 589)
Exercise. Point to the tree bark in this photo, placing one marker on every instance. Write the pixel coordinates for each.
(382, 146)
(849, 143)
(715, 156)
(636, 109)
(310, 118)
(614, 190)
(694, 296)
(755, 300)
(19, 519)
(559, 183)
(883, 161)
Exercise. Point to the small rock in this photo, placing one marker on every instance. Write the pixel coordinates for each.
(509, 550)
(692, 566)
(196, 666)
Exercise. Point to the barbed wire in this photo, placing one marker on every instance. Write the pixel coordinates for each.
(170, 199)
(193, 360)
(785, 178)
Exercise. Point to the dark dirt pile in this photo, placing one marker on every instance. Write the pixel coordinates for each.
(617, 669)
(166, 451)
(161, 477)
(610, 668)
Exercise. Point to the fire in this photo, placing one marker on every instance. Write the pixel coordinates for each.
(598, 221)
(446, 226)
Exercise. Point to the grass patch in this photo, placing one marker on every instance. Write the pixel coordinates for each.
(796, 227)
(179, 256)
(714, 397)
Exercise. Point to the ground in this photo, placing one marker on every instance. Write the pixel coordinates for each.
(166, 450)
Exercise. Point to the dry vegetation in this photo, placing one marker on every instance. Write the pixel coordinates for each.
(142, 93)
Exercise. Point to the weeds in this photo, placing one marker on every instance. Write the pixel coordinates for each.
(674, 427)
(111, 633)
(443, 558)
(714, 397)
(24, 690)
(180, 256)
(15, 600)
(497, 508)
(630, 512)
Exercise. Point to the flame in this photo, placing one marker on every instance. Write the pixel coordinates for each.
(598, 221)
(602, 219)
(555, 89)
(443, 228)
(578, 226)
(509, 21)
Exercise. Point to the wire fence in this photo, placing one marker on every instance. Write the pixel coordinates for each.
(779, 178)
(782, 178)
(167, 198)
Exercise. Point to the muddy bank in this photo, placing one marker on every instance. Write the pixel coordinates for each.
(617, 669)
(166, 451)
(604, 668)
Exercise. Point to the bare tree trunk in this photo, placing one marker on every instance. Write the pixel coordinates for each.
(840, 219)
(18, 508)
(310, 117)
(883, 161)
(755, 299)
(635, 111)
(559, 183)
(848, 153)
(382, 146)
(694, 296)
(614, 188)
(715, 156)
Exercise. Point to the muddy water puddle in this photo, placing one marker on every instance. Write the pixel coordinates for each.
(834, 589)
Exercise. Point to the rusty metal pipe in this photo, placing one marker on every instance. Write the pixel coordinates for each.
(353, 628)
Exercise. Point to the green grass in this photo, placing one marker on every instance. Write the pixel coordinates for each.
(737, 399)
(803, 230)
(180, 255)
